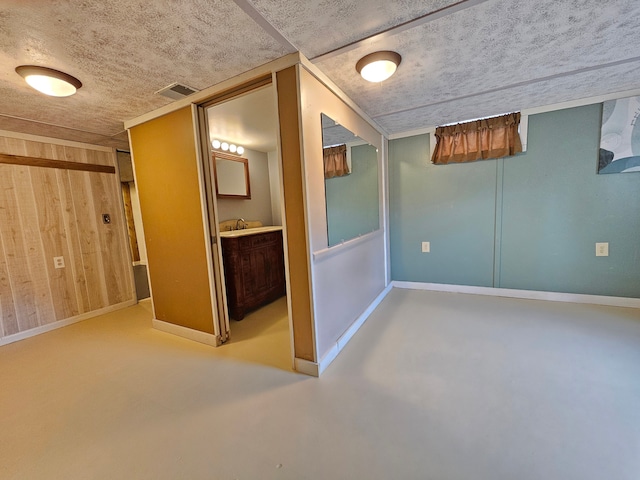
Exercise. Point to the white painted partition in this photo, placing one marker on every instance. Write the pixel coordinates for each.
(347, 279)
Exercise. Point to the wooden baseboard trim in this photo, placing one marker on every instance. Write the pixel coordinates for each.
(333, 352)
(524, 294)
(188, 333)
(63, 323)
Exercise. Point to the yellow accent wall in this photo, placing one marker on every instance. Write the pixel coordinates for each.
(166, 166)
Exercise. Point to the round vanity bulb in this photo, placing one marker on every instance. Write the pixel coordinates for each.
(233, 148)
(224, 146)
(215, 144)
(240, 150)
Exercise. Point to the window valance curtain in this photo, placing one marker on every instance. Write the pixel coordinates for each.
(478, 140)
(335, 161)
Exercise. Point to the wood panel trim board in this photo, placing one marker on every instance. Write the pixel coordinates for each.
(524, 294)
(63, 323)
(188, 333)
(60, 164)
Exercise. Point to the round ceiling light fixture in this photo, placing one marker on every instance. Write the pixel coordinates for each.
(378, 66)
(49, 81)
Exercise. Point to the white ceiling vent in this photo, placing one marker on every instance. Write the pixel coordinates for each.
(176, 91)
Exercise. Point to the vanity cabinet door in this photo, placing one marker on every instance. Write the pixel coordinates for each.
(254, 271)
(275, 273)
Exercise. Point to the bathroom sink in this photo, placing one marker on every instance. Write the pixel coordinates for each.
(249, 231)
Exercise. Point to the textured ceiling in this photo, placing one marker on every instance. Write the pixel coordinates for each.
(497, 56)
(122, 51)
(317, 27)
(461, 59)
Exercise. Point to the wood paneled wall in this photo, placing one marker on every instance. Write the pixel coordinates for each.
(52, 212)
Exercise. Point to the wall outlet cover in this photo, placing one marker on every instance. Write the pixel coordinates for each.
(602, 249)
(58, 262)
(426, 247)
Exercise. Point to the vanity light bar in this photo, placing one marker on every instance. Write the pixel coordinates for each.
(227, 147)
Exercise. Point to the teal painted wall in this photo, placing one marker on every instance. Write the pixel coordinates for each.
(541, 212)
(453, 208)
(352, 200)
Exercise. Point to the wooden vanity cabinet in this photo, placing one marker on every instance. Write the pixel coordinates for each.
(254, 271)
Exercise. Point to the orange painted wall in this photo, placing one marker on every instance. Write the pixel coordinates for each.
(293, 186)
(166, 166)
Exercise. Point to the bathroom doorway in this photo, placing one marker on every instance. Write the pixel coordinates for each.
(244, 189)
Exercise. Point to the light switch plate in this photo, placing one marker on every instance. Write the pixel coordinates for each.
(602, 249)
(426, 247)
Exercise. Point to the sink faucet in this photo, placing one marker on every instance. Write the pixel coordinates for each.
(240, 222)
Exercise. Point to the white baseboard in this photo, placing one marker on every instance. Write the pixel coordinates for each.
(351, 331)
(525, 294)
(307, 367)
(188, 333)
(63, 323)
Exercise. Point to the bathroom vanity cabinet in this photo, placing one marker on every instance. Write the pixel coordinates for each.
(253, 268)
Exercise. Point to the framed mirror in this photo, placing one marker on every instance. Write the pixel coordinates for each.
(231, 176)
(351, 183)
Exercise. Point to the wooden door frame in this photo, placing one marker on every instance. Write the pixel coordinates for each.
(204, 153)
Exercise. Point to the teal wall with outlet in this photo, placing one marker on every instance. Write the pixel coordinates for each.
(526, 222)
(352, 200)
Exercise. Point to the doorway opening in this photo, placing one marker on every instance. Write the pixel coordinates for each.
(246, 218)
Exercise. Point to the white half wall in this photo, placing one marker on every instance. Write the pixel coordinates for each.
(346, 278)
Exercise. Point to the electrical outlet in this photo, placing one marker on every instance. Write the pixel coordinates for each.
(58, 262)
(426, 247)
(602, 249)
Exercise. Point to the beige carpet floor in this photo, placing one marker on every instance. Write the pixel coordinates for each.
(434, 386)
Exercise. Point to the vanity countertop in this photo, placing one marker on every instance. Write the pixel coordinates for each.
(249, 231)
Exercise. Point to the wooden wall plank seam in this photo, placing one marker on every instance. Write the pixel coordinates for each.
(82, 195)
(8, 320)
(54, 242)
(15, 253)
(39, 268)
(72, 234)
(111, 237)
